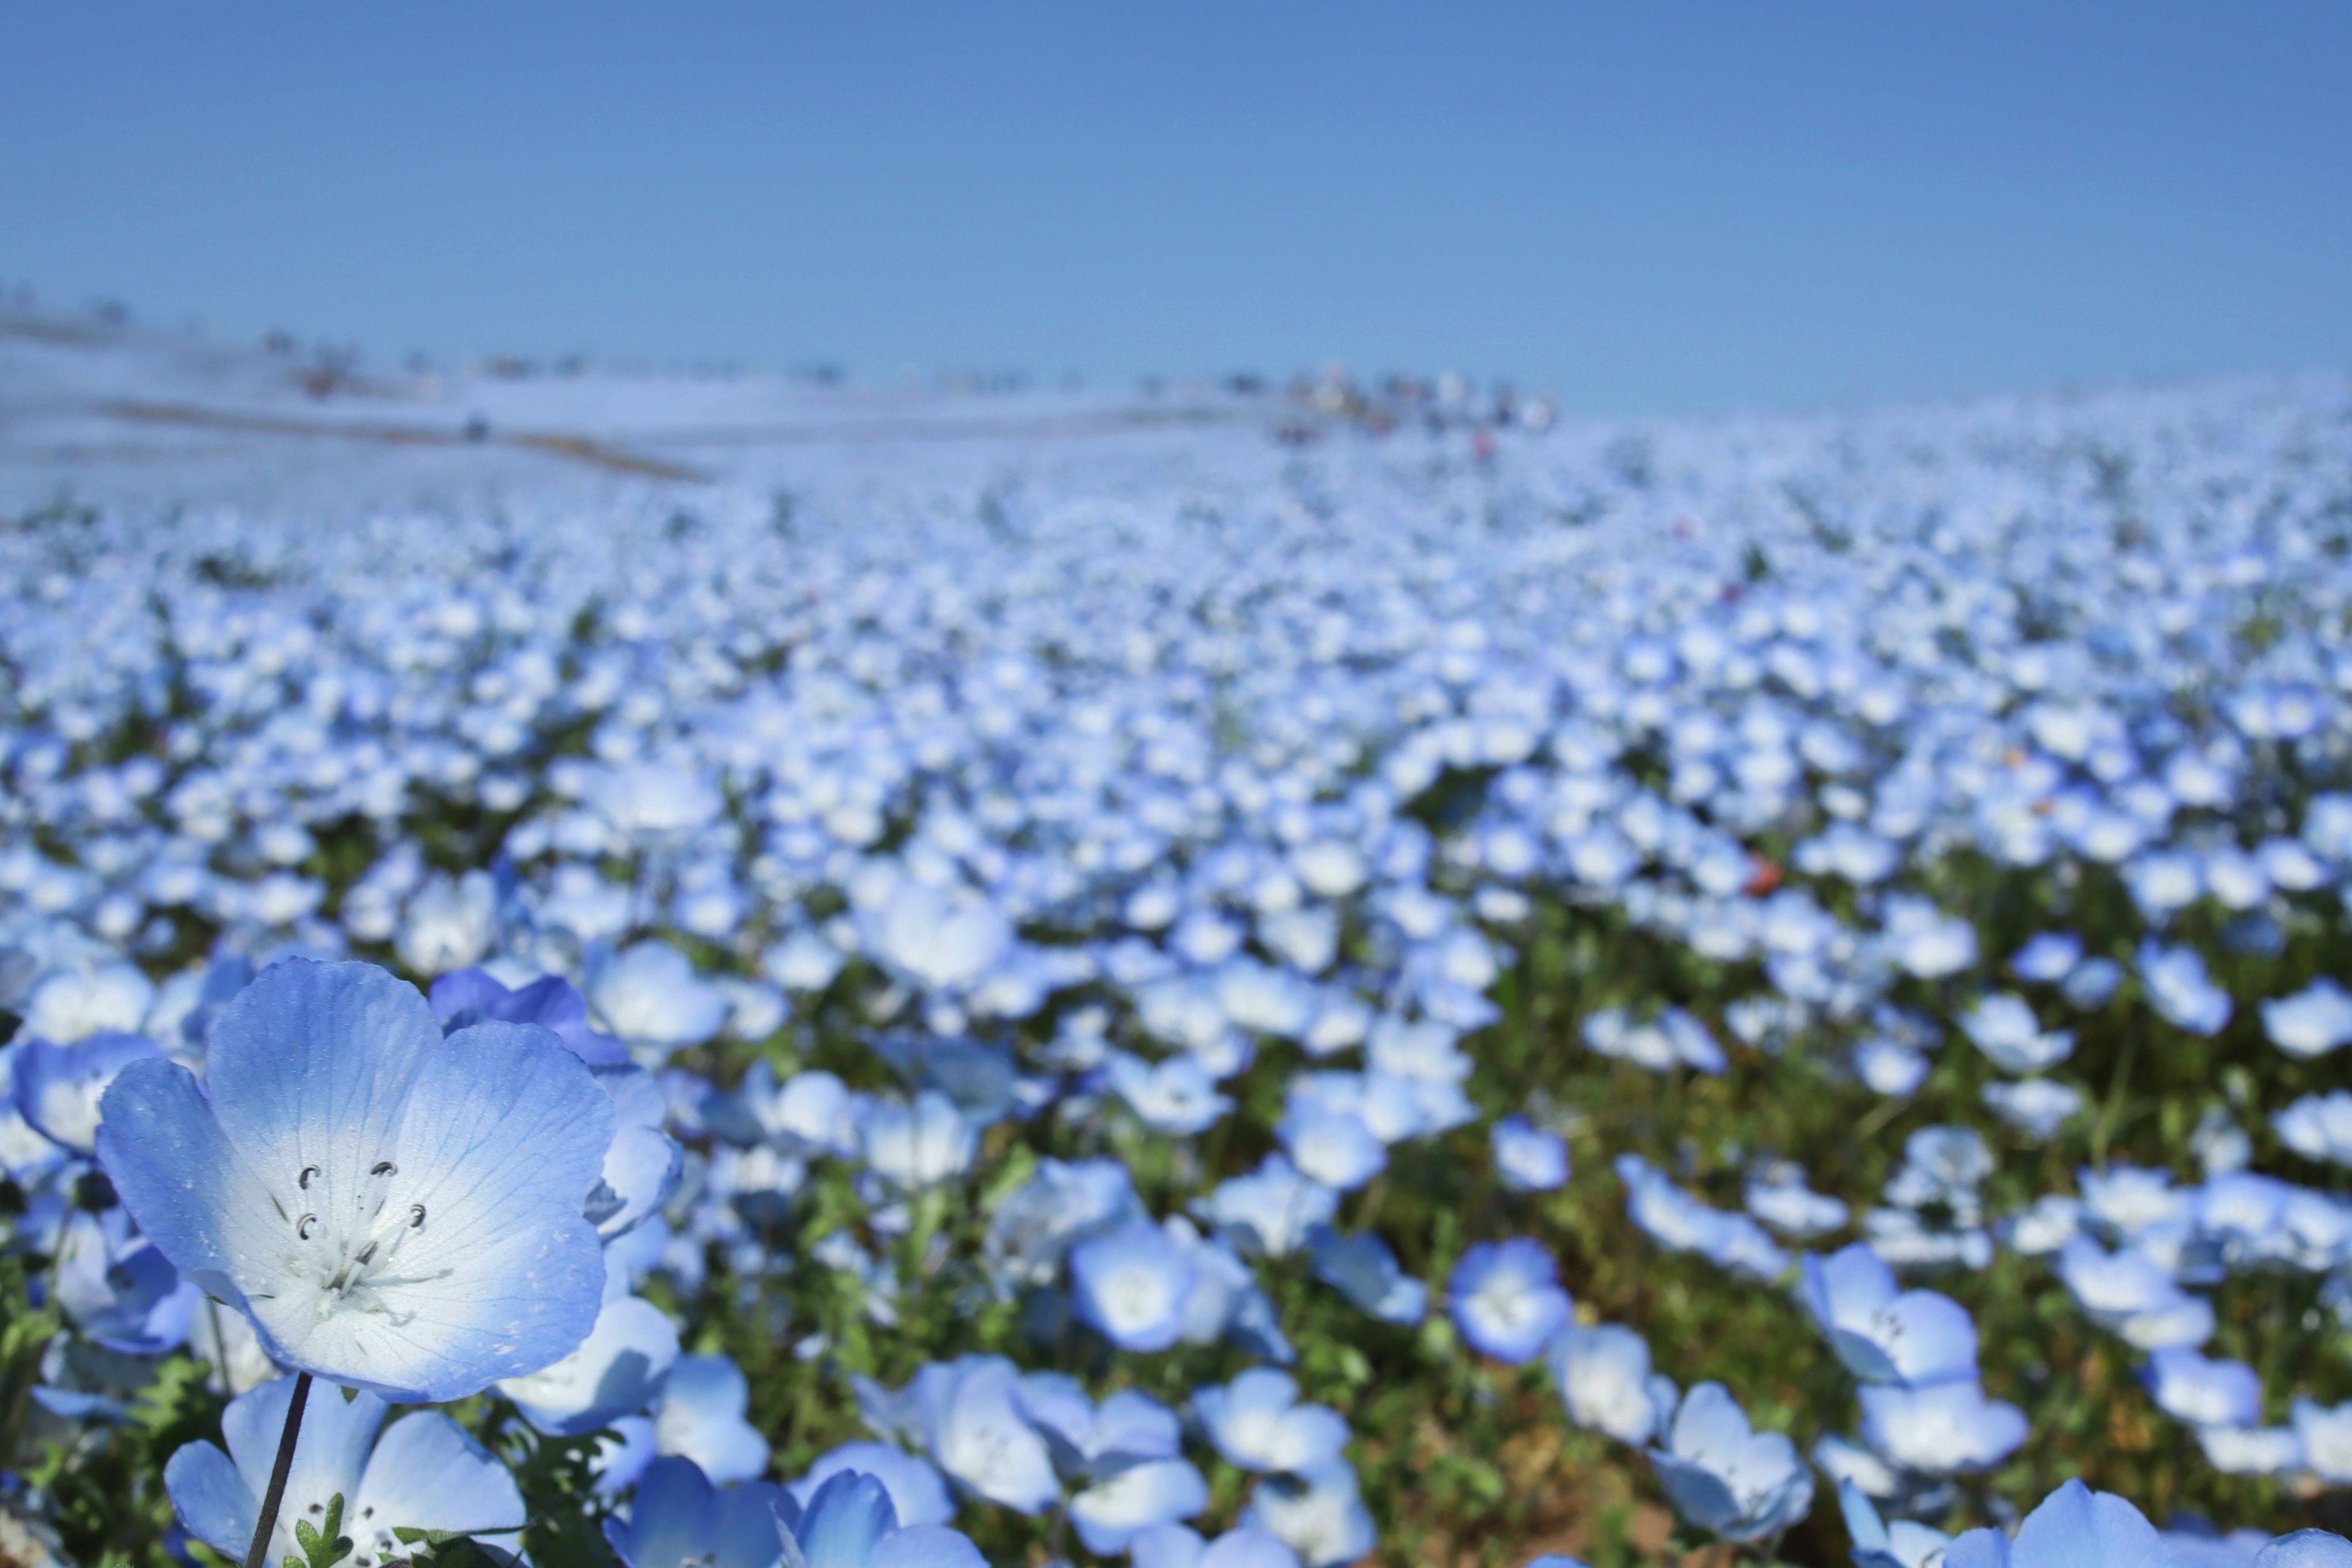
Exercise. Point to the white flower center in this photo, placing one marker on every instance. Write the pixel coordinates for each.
(349, 1244)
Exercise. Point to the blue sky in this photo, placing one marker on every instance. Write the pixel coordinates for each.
(1648, 207)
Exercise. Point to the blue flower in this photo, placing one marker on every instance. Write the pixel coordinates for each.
(2180, 991)
(968, 1414)
(1528, 1158)
(59, 1088)
(1176, 1546)
(2073, 1526)
(676, 1520)
(700, 1415)
(1128, 1428)
(1507, 1301)
(919, 1494)
(1256, 1422)
(2203, 1393)
(1876, 1543)
(393, 1209)
(1606, 1382)
(850, 1523)
(1363, 1268)
(1941, 1428)
(1725, 1478)
(469, 996)
(423, 1473)
(1333, 1147)
(1110, 1513)
(1884, 1334)
(118, 1288)
(614, 1372)
(1272, 1209)
(643, 1163)
(1131, 1285)
(2306, 1549)
(1319, 1513)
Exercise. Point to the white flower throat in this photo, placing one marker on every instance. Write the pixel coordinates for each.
(349, 1245)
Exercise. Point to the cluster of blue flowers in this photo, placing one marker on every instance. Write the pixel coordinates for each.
(1063, 921)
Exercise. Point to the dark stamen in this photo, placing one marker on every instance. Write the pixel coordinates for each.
(302, 1226)
(415, 1215)
(308, 1171)
(384, 1168)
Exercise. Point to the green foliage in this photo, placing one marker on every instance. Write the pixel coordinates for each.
(324, 1544)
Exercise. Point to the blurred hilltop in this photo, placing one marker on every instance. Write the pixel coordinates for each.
(97, 408)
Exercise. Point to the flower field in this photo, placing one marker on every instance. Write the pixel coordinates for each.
(1396, 982)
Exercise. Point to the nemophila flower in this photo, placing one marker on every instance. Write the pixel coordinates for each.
(649, 995)
(1940, 1428)
(2037, 1106)
(421, 1473)
(1507, 1301)
(1881, 1332)
(1063, 1202)
(450, 922)
(117, 1286)
(1319, 1514)
(942, 939)
(2306, 1549)
(1176, 1546)
(1332, 1147)
(2004, 1028)
(643, 1163)
(1272, 1210)
(2047, 957)
(1226, 1301)
(2204, 1392)
(1528, 1158)
(2327, 1434)
(699, 1415)
(967, 1414)
(810, 1114)
(1127, 1428)
(2319, 1127)
(72, 1004)
(1176, 1095)
(27, 1154)
(1879, 1544)
(1606, 1382)
(469, 996)
(393, 1209)
(917, 1145)
(1130, 1285)
(1114, 1511)
(1256, 1422)
(918, 1495)
(2073, 1525)
(615, 1372)
(2312, 1022)
(2092, 983)
(677, 1520)
(58, 1089)
(1674, 1219)
(2252, 1450)
(1363, 1268)
(1925, 941)
(2127, 1290)
(1778, 1196)
(1725, 1478)
(2180, 989)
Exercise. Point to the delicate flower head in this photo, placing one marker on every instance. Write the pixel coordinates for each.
(393, 1209)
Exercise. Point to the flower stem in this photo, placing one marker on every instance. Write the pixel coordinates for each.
(278, 1472)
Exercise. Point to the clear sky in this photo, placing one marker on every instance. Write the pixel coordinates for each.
(1650, 207)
